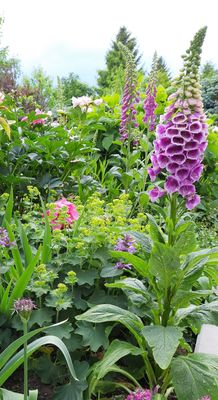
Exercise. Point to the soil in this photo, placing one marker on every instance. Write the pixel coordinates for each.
(15, 384)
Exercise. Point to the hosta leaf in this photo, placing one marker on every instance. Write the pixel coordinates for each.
(93, 336)
(195, 376)
(163, 341)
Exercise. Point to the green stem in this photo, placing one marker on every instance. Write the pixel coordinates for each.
(25, 331)
(173, 219)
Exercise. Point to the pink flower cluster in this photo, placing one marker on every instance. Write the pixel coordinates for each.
(140, 394)
(72, 214)
(84, 102)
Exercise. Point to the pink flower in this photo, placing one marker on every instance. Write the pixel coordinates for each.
(97, 102)
(71, 212)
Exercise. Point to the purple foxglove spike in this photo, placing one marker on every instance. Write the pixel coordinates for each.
(181, 134)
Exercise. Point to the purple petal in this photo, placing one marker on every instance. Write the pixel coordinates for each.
(177, 140)
(186, 135)
(193, 201)
(171, 184)
(187, 189)
(161, 129)
(152, 174)
(182, 173)
(199, 137)
(172, 132)
(164, 142)
(195, 127)
(162, 160)
(174, 149)
(155, 193)
(191, 145)
(179, 118)
(196, 173)
(190, 163)
(172, 167)
(178, 158)
(203, 146)
(193, 154)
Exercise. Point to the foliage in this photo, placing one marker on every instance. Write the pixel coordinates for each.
(72, 86)
(210, 93)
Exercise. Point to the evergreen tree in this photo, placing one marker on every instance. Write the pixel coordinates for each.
(163, 73)
(208, 71)
(115, 62)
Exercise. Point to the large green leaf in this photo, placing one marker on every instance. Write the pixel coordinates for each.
(114, 353)
(132, 284)
(195, 316)
(109, 312)
(185, 238)
(164, 265)
(138, 263)
(163, 341)
(195, 376)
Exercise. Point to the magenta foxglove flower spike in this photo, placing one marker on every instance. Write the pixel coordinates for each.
(181, 137)
(150, 104)
(141, 394)
(130, 96)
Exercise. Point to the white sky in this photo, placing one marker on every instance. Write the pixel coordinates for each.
(73, 35)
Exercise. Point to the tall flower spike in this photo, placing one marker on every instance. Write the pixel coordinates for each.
(181, 136)
(130, 95)
(150, 104)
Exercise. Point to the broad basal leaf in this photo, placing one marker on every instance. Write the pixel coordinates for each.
(195, 316)
(195, 376)
(163, 341)
(108, 312)
(164, 265)
(185, 238)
